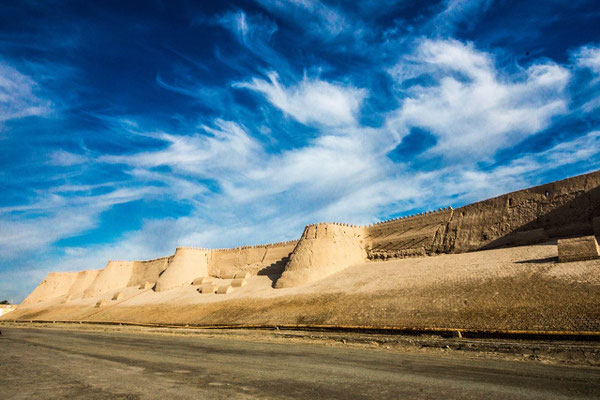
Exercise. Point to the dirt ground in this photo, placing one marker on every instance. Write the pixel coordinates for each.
(562, 352)
(140, 363)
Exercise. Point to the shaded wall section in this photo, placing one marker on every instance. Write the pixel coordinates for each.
(563, 208)
(261, 259)
(408, 236)
(147, 271)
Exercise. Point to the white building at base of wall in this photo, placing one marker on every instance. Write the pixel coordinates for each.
(6, 308)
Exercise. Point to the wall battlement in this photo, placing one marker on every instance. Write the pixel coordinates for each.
(331, 229)
(255, 246)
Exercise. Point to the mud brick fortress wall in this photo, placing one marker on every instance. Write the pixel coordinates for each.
(566, 208)
(416, 235)
(323, 250)
(562, 209)
(559, 209)
(264, 259)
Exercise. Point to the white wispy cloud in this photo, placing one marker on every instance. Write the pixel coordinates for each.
(254, 32)
(472, 184)
(249, 30)
(64, 158)
(587, 57)
(342, 174)
(311, 100)
(458, 11)
(55, 216)
(224, 148)
(471, 108)
(324, 20)
(18, 97)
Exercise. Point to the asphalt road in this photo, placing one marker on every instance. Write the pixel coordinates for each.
(52, 363)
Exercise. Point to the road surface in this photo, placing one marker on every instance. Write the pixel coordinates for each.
(53, 363)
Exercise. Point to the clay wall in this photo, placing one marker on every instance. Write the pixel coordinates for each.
(55, 285)
(558, 209)
(253, 259)
(323, 249)
(147, 271)
(83, 280)
(418, 234)
(187, 264)
(115, 275)
(566, 208)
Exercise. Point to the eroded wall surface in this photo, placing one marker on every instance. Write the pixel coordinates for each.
(83, 280)
(408, 236)
(115, 275)
(56, 284)
(559, 209)
(563, 208)
(254, 259)
(147, 271)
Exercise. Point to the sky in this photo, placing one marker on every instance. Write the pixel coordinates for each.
(130, 128)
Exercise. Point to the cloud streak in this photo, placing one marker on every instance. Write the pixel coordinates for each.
(18, 98)
(311, 100)
(469, 106)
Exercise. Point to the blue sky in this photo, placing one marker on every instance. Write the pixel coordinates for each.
(128, 128)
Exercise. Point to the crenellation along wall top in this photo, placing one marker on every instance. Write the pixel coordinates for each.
(413, 216)
(286, 242)
(408, 217)
(256, 246)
